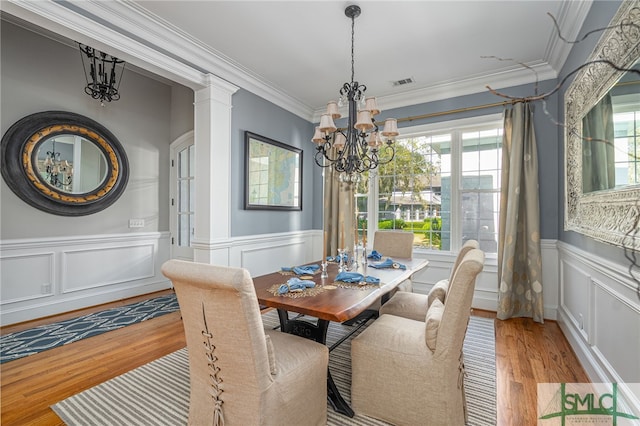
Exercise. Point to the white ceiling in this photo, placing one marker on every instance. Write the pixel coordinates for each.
(297, 53)
(303, 47)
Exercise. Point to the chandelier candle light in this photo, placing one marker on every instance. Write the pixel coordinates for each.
(57, 172)
(357, 148)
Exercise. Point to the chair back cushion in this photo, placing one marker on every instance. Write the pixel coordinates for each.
(394, 244)
(228, 357)
(438, 291)
(468, 245)
(432, 323)
(457, 306)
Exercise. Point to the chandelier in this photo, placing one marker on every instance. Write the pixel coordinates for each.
(100, 73)
(58, 173)
(361, 146)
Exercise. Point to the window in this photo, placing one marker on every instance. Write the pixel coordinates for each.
(626, 124)
(443, 185)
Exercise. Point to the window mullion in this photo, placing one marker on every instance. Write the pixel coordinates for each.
(373, 205)
(456, 190)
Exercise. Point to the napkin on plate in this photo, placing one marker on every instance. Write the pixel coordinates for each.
(301, 270)
(336, 258)
(374, 255)
(295, 284)
(389, 263)
(355, 277)
(306, 270)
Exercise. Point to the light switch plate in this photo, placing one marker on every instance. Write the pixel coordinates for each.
(136, 223)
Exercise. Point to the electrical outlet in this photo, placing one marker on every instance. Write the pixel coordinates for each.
(580, 321)
(45, 289)
(136, 223)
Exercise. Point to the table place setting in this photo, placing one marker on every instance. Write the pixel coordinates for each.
(388, 263)
(296, 287)
(356, 280)
(305, 270)
(336, 258)
(374, 255)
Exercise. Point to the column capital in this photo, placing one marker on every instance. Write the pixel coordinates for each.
(215, 89)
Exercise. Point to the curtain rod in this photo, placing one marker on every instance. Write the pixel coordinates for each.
(455, 111)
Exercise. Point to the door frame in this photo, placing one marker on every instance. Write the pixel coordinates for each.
(176, 146)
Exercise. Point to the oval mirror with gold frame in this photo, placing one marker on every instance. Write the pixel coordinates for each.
(64, 163)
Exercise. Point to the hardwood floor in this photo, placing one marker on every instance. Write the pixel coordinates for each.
(526, 353)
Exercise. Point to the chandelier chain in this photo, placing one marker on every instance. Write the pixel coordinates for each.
(353, 73)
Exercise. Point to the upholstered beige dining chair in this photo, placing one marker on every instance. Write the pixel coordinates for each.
(409, 372)
(415, 305)
(241, 374)
(395, 244)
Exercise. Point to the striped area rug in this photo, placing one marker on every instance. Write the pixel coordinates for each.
(158, 393)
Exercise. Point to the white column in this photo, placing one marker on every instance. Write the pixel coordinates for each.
(212, 140)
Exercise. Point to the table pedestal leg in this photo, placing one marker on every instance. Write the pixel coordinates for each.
(318, 333)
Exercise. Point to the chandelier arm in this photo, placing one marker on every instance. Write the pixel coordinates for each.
(388, 148)
(319, 156)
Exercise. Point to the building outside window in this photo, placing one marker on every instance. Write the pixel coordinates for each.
(443, 185)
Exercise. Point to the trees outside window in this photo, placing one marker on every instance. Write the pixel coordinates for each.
(443, 185)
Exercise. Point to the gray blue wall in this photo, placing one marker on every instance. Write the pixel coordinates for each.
(254, 114)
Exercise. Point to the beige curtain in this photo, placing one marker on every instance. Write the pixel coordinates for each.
(339, 213)
(519, 259)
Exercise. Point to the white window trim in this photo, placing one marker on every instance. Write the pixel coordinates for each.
(490, 120)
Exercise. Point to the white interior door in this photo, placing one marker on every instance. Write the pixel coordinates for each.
(182, 197)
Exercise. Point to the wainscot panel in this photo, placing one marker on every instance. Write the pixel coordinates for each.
(50, 276)
(440, 264)
(600, 316)
(34, 273)
(486, 292)
(269, 252)
(85, 269)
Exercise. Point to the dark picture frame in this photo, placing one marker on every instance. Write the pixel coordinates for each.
(273, 174)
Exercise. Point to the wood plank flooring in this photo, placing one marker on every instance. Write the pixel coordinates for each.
(526, 353)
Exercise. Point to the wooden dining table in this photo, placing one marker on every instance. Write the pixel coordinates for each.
(331, 301)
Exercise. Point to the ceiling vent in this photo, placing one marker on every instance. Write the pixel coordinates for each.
(403, 81)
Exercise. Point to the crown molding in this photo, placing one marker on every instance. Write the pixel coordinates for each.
(161, 36)
(509, 78)
(570, 20)
(137, 38)
(63, 18)
(150, 43)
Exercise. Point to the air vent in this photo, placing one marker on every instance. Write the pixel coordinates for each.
(403, 81)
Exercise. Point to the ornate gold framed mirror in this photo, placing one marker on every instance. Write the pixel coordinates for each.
(602, 148)
(64, 163)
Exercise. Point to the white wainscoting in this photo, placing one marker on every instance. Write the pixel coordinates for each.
(49, 276)
(599, 314)
(268, 252)
(440, 264)
(486, 291)
(59, 275)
